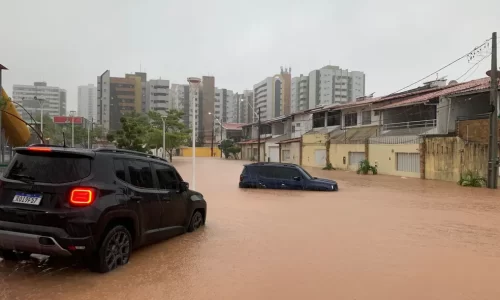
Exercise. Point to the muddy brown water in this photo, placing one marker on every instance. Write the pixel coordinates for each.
(379, 237)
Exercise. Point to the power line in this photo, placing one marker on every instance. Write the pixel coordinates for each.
(442, 68)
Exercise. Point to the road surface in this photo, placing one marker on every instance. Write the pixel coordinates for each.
(379, 237)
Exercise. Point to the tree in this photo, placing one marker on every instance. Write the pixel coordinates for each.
(176, 133)
(228, 147)
(134, 133)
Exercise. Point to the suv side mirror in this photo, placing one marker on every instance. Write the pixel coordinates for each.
(184, 186)
(296, 178)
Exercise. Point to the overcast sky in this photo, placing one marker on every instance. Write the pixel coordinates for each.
(69, 43)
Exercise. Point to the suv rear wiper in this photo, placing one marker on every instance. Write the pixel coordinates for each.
(22, 177)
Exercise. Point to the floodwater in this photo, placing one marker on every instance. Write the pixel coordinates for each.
(379, 237)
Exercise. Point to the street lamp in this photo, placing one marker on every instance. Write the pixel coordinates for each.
(212, 144)
(163, 120)
(72, 115)
(194, 83)
(2, 67)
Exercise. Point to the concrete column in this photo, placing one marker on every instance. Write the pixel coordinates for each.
(422, 149)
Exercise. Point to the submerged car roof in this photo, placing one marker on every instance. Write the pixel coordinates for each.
(272, 164)
(85, 152)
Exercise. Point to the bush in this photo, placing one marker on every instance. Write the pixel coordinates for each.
(365, 168)
(472, 179)
(328, 167)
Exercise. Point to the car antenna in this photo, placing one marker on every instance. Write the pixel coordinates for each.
(64, 140)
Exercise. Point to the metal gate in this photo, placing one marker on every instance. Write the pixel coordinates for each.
(274, 154)
(408, 162)
(356, 157)
(320, 157)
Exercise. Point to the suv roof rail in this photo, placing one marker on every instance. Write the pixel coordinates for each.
(131, 152)
(46, 145)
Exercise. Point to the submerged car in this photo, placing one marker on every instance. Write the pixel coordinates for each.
(283, 176)
(99, 204)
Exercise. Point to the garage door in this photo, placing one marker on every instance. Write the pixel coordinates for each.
(320, 157)
(408, 162)
(274, 154)
(356, 157)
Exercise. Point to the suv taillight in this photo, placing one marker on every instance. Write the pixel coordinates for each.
(241, 177)
(82, 196)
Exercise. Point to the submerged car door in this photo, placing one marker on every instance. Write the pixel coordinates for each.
(174, 202)
(267, 177)
(290, 178)
(142, 192)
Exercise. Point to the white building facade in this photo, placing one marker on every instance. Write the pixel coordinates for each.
(87, 102)
(264, 99)
(331, 84)
(158, 96)
(300, 93)
(40, 97)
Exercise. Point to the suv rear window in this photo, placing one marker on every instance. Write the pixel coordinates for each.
(49, 168)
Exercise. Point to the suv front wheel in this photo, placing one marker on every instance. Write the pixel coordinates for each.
(114, 251)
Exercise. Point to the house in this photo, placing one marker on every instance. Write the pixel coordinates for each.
(232, 131)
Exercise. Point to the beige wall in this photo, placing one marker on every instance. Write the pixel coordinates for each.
(447, 157)
(294, 153)
(246, 147)
(384, 157)
(310, 143)
(339, 151)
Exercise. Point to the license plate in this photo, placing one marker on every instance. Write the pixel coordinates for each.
(31, 199)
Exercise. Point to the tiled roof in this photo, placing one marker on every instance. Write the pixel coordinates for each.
(233, 126)
(254, 141)
(289, 141)
(444, 91)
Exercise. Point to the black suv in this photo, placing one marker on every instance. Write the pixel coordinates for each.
(283, 176)
(99, 204)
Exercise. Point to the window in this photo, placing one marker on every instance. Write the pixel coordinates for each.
(318, 120)
(356, 157)
(120, 169)
(49, 167)
(333, 118)
(167, 177)
(350, 119)
(278, 172)
(140, 174)
(366, 118)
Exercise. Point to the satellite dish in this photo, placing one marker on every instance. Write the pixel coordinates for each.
(452, 82)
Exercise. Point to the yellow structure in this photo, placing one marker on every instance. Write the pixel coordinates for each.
(16, 132)
(290, 151)
(340, 155)
(314, 149)
(200, 152)
(384, 156)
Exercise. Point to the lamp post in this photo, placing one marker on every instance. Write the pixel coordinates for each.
(2, 67)
(212, 143)
(163, 120)
(40, 100)
(194, 83)
(72, 115)
(221, 127)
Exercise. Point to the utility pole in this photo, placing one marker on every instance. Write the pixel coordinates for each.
(493, 141)
(212, 144)
(221, 127)
(258, 135)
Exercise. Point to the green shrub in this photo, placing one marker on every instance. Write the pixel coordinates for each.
(365, 168)
(472, 179)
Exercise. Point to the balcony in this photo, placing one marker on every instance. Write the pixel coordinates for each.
(411, 124)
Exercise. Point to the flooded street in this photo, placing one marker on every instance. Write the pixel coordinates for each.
(379, 237)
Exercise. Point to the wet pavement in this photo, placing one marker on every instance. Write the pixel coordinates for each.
(379, 237)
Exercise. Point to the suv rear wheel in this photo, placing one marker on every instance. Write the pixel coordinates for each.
(114, 251)
(196, 221)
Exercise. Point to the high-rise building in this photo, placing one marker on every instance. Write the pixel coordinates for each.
(179, 98)
(158, 96)
(87, 102)
(206, 106)
(273, 95)
(300, 93)
(239, 108)
(332, 84)
(37, 97)
(223, 98)
(117, 96)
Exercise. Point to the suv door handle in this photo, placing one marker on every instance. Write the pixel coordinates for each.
(136, 198)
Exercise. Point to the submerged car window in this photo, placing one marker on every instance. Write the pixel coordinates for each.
(166, 177)
(140, 174)
(306, 174)
(49, 168)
